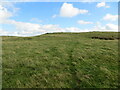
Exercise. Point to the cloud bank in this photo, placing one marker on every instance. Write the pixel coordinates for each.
(32, 28)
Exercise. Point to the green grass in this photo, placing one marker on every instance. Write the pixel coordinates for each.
(60, 60)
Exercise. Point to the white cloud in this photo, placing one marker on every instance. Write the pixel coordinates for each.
(4, 13)
(10, 6)
(107, 27)
(67, 10)
(35, 20)
(3, 32)
(29, 29)
(84, 22)
(102, 4)
(54, 16)
(7, 10)
(98, 26)
(111, 27)
(26, 26)
(110, 17)
(75, 29)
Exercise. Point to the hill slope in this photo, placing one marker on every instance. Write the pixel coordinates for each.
(68, 60)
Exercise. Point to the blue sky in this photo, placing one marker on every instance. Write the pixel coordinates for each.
(34, 18)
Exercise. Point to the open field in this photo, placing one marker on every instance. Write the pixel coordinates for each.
(56, 60)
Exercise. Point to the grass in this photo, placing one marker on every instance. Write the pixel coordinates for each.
(60, 60)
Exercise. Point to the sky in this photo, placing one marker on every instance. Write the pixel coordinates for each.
(36, 18)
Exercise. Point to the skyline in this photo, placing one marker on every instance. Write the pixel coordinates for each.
(36, 18)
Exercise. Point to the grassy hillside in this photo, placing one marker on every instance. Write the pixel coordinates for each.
(69, 60)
